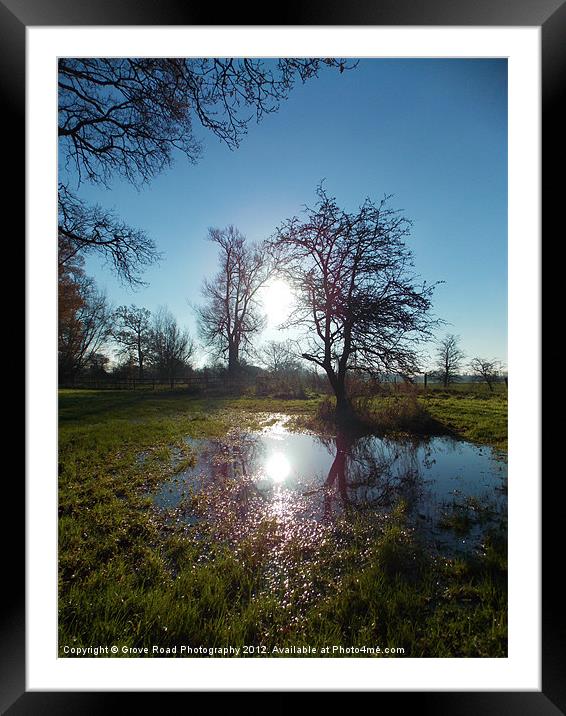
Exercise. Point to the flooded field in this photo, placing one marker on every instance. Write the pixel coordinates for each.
(292, 486)
(214, 524)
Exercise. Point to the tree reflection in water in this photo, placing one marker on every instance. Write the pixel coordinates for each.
(370, 474)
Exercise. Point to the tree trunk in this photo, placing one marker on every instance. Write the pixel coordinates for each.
(140, 362)
(233, 361)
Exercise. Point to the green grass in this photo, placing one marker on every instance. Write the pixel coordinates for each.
(125, 580)
(473, 414)
(478, 417)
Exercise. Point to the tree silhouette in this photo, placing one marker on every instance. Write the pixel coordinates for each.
(487, 370)
(170, 346)
(84, 329)
(362, 307)
(132, 332)
(449, 359)
(231, 313)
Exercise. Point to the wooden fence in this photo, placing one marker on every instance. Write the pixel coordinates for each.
(197, 383)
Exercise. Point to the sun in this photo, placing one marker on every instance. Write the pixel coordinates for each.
(278, 301)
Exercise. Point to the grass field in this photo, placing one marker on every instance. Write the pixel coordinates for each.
(125, 580)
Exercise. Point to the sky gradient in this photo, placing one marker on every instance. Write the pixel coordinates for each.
(433, 133)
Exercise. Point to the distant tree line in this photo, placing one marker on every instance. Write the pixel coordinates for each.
(450, 366)
(147, 345)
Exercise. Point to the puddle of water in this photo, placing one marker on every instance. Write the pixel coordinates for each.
(300, 488)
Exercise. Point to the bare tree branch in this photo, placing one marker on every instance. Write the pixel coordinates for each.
(128, 116)
(84, 229)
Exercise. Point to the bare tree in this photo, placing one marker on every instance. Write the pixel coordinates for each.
(357, 298)
(83, 331)
(449, 359)
(128, 116)
(486, 370)
(132, 332)
(279, 357)
(171, 347)
(231, 314)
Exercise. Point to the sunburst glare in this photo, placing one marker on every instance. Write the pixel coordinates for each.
(278, 301)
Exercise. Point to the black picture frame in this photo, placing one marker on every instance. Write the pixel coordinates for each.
(15, 17)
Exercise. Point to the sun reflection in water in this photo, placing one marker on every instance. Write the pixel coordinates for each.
(277, 467)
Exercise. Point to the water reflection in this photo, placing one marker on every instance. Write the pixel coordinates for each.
(295, 486)
(277, 467)
(371, 473)
(337, 474)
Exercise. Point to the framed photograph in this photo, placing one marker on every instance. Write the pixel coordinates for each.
(283, 360)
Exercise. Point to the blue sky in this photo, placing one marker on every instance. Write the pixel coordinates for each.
(431, 132)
